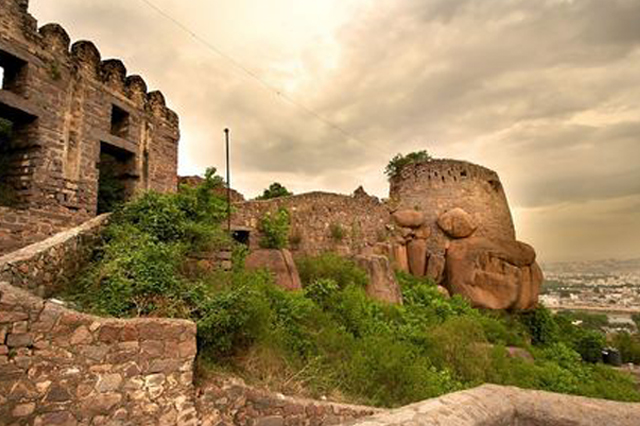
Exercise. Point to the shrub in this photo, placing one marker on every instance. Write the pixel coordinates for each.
(590, 345)
(337, 232)
(628, 345)
(275, 190)
(541, 326)
(275, 229)
(397, 163)
(331, 266)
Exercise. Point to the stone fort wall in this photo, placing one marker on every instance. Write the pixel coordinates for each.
(361, 218)
(71, 112)
(437, 186)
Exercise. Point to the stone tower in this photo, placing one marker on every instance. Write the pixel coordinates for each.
(75, 120)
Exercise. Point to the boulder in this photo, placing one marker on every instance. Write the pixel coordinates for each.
(435, 267)
(399, 256)
(417, 254)
(278, 262)
(457, 223)
(409, 218)
(424, 232)
(494, 274)
(382, 283)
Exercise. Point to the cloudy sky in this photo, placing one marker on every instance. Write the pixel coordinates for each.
(545, 92)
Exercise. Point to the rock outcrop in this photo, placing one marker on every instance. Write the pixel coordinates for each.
(409, 218)
(278, 262)
(494, 274)
(382, 283)
(417, 253)
(457, 223)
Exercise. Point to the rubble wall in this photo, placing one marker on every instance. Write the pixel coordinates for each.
(43, 266)
(315, 216)
(58, 366)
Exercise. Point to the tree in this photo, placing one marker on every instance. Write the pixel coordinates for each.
(400, 161)
(275, 190)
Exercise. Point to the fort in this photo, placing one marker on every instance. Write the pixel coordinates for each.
(76, 121)
(79, 134)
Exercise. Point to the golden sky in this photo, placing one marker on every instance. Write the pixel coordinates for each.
(545, 92)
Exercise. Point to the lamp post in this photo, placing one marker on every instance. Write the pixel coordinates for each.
(226, 134)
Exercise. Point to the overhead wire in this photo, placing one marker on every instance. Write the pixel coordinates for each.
(239, 66)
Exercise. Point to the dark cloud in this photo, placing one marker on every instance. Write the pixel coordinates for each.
(545, 92)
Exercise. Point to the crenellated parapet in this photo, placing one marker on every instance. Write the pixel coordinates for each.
(73, 113)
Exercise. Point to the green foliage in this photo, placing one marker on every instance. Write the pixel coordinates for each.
(337, 232)
(275, 229)
(589, 320)
(331, 266)
(330, 338)
(541, 326)
(636, 320)
(275, 190)
(138, 268)
(54, 70)
(589, 344)
(628, 345)
(397, 163)
(111, 190)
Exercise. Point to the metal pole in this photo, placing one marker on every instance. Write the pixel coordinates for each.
(226, 133)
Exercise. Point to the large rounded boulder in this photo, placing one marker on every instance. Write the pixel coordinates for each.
(494, 274)
(457, 223)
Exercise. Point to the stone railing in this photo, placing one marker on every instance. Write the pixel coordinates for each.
(60, 367)
(42, 266)
(491, 405)
(230, 401)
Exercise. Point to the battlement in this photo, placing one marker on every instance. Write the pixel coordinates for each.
(79, 126)
(51, 41)
(444, 172)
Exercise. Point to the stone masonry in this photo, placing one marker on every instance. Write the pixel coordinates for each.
(74, 116)
(315, 216)
(60, 367)
(43, 266)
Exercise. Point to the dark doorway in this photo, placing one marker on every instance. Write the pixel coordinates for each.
(241, 236)
(116, 180)
(18, 158)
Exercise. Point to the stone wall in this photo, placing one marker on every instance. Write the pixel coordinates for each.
(361, 218)
(71, 113)
(491, 405)
(42, 266)
(59, 367)
(437, 186)
(229, 401)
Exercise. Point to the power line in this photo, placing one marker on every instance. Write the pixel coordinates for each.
(278, 92)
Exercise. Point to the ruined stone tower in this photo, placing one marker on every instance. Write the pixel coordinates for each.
(71, 121)
(437, 186)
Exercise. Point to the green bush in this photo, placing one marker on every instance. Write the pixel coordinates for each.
(331, 266)
(275, 229)
(590, 345)
(337, 232)
(275, 190)
(397, 163)
(628, 345)
(541, 326)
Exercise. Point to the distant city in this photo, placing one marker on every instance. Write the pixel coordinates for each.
(607, 286)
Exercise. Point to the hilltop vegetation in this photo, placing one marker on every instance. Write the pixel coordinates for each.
(329, 339)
